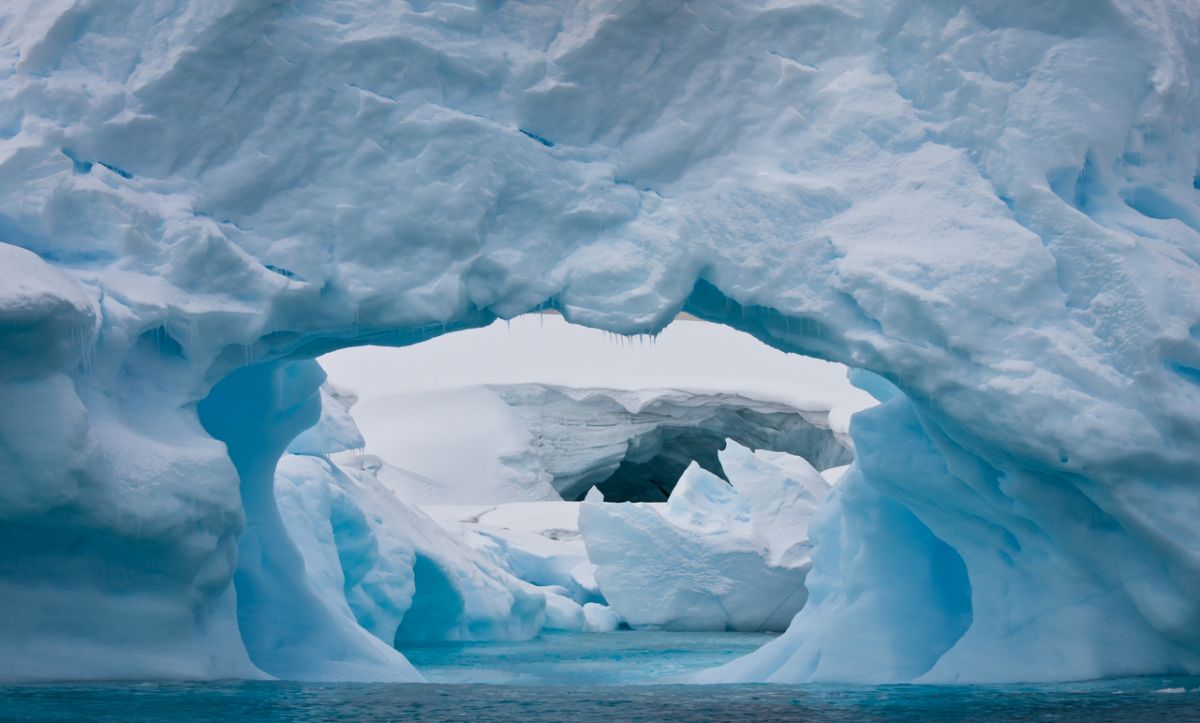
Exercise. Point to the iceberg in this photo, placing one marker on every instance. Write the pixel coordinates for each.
(558, 409)
(459, 574)
(389, 564)
(991, 207)
(537, 542)
(717, 555)
(367, 593)
(385, 566)
(633, 445)
(542, 443)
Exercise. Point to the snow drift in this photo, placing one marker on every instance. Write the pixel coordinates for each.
(993, 206)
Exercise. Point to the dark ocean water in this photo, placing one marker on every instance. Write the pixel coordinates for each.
(1123, 700)
(615, 677)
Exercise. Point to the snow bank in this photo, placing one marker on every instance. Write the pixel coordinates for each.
(633, 445)
(546, 349)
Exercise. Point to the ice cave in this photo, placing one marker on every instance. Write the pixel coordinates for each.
(985, 215)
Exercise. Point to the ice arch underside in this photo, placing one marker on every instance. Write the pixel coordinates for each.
(992, 205)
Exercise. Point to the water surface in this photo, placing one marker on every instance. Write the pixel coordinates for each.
(1117, 700)
(584, 658)
(600, 677)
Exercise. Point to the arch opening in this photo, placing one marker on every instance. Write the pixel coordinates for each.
(967, 527)
(668, 432)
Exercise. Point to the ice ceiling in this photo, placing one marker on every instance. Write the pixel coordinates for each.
(993, 206)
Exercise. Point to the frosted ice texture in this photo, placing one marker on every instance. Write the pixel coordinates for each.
(993, 206)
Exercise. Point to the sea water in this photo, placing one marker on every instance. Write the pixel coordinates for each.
(622, 676)
(579, 659)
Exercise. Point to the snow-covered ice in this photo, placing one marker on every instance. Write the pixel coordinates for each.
(537, 409)
(551, 443)
(994, 208)
(715, 556)
(386, 568)
(538, 542)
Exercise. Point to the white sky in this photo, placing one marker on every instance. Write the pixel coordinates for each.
(544, 348)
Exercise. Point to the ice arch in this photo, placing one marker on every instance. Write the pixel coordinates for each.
(634, 446)
(991, 206)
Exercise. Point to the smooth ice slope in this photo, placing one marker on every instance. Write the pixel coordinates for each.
(388, 566)
(538, 542)
(994, 206)
(404, 578)
(716, 556)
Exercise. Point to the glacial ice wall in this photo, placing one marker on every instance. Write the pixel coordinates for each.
(994, 206)
(433, 409)
(633, 446)
(392, 569)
